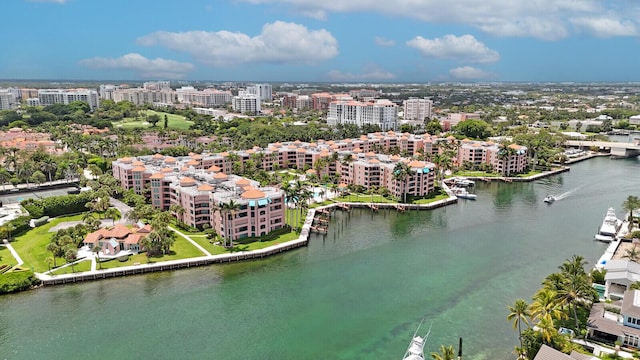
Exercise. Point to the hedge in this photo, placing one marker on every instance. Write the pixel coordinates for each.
(40, 221)
(17, 281)
(20, 225)
(58, 205)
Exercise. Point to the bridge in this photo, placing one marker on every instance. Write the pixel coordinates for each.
(617, 149)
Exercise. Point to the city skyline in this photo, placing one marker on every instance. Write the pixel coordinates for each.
(309, 41)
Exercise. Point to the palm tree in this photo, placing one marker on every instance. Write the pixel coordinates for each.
(228, 210)
(630, 204)
(545, 302)
(178, 211)
(576, 288)
(49, 166)
(96, 249)
(446, 353)
(547, 328)
(113, 214)
(632, 253)
(519, 313)
(5, 176)
(25, 171)
(400, 173)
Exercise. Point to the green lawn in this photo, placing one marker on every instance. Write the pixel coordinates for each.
(79, 267)
(217, 249)
(175, 121)
(32, 245)
(6, 258)
(181, 249)
(436, 198)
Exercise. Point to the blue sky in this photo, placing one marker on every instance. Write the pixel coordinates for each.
(313, 40)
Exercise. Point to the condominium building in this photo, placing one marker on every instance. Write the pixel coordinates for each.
(321, 101)
(140, 96)
(510, 160)
(383, 113)
(417, 109)
(263, 91)
(7, 100)
(208, 97)
(364, 93)
(246, 103)
(157, 85)
(66, 96)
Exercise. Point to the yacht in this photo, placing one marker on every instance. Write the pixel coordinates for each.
(463, 182)
(462, 193)
(549, 199)
(415, 351)
(610, 226)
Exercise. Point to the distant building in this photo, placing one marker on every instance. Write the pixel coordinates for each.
(246, 103)
(208, 97)
(263, 91)
(417, 109)
(157, 85)
(66, 96)
(364, 93)
(7, 100)
(383, 113)
(634, 120)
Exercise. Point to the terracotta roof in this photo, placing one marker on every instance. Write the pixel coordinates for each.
(416, 164)
(374, 161)
(193, 162)
(311, 171)
(214, 168)
(158, 157)
(205, 187)
(242, 182)
(125, 160)
(187, 181)
(301, 150)
(157, 175)
(137, 163)
(252, 194)
(169, 160)
(166, 170)
(220, 175)
(140, 168)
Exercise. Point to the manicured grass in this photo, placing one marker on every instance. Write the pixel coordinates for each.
(32, 245)
(174, 121)
(364, 198)
(217, 249)
(181, 249)
(428, 201)
(476, 174)
(6, 258)
(79, 267)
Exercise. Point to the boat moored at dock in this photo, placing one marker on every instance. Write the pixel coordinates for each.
(610, 227)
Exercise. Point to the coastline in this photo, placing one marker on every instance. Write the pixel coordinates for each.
(301, 241)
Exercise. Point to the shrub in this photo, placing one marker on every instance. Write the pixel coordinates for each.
(41, 221)
(17, 281)
(15, 227)
(58, 205)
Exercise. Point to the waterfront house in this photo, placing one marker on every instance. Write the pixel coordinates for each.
(619, 277)
(549, 353)
(611, 322)
(117, 238)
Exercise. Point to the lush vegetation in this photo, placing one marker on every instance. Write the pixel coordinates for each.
(17, 281)
(563, 301)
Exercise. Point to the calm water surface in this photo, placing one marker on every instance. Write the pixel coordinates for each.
(357, 293)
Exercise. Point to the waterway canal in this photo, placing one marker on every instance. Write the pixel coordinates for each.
(357, 293)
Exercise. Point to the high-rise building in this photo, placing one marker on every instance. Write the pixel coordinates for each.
(263, 91)
(383, 113)
(417, 109)
(7, 100)
(246, 103)
(157, 85)
(66, 96)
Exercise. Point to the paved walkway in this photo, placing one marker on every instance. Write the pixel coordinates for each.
(13, 252)
(204, 251)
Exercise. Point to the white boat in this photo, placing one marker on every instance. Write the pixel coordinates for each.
(462, 193)
(610, 226)
(463, 182)
(549, 199)
(415, 351)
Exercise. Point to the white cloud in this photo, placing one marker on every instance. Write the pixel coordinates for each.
(380, 41)
(605, 27)
(370, 73)
(280, 42)
(469, 73)
(462, 48)
(145, 68)
(547, 20)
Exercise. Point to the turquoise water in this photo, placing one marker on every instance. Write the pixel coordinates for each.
(357, 293)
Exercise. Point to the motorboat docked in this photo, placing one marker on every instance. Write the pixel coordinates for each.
(610, 226)
(549, 199)
(462, 193)
(461, 182)
(415, 351)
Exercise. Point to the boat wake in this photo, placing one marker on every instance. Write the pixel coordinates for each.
(566, 194)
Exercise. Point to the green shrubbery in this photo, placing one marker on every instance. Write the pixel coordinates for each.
(15, 227)
(17, 281)
(58, 205)
(40, 221)
(270, 236)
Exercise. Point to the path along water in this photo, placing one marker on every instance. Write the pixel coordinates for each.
(357, 293)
